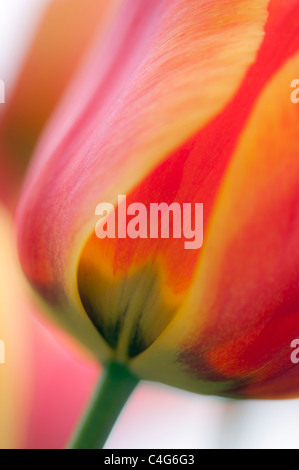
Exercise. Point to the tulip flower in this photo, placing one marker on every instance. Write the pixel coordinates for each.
(187, 101)
(66, 30)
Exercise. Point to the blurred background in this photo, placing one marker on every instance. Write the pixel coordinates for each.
(46, 380)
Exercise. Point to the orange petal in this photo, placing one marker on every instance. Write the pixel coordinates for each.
(247, 284)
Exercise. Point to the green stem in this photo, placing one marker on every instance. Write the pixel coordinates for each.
(112, 393)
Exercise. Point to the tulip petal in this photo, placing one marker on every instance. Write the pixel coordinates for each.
(247, 283)
(118, 123)
(63, 36)
(192, 173)
(15, 372)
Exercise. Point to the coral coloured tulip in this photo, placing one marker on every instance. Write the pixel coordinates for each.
(186, 102)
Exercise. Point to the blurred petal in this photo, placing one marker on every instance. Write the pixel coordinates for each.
(62, 38)
(62, 383)
(16, 372)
